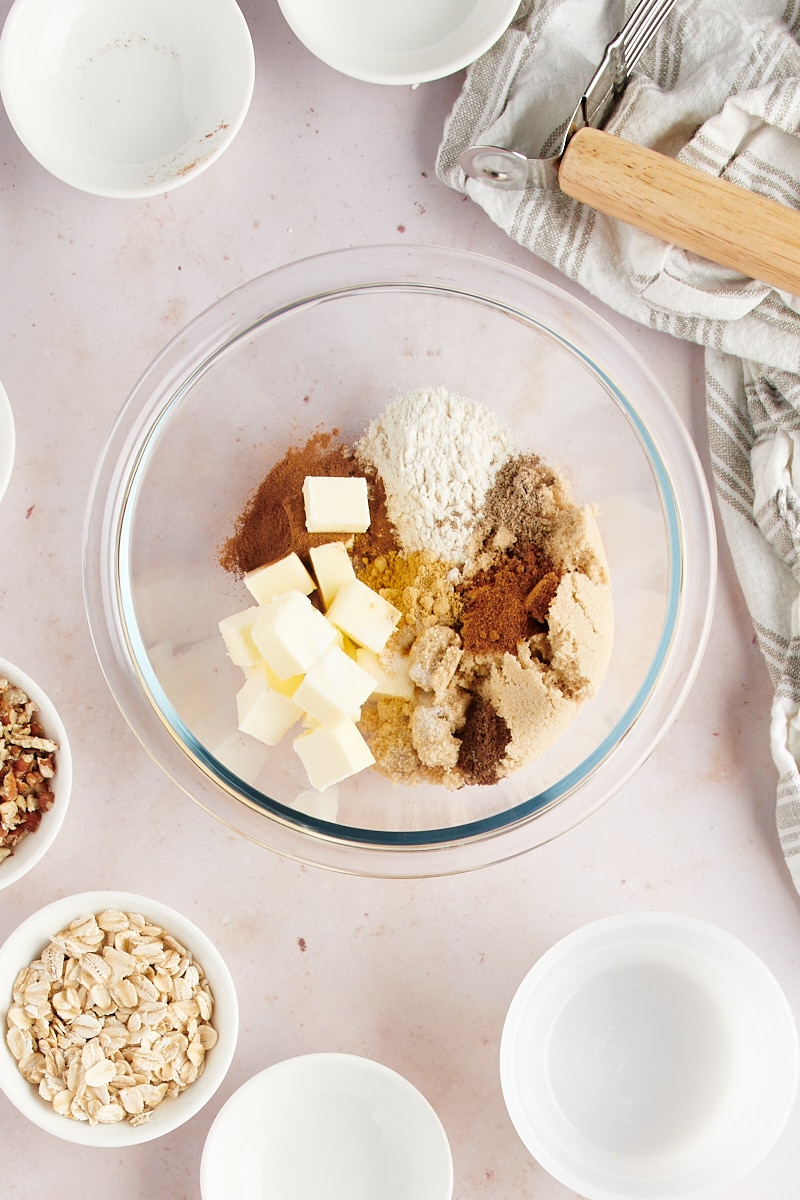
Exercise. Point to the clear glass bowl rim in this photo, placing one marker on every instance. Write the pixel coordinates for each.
(687, 510)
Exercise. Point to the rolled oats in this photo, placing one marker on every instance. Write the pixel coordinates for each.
(112, 1017)
(27, 766)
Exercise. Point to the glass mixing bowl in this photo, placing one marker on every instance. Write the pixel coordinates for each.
(328, 342)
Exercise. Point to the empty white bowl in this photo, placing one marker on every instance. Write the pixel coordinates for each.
(28, 941)
(126, 98)
(34, 846)
(649, 1057)
(7, 441)
(332, 1125)
(409, 43)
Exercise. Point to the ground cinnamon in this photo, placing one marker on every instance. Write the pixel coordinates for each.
(273, 521)
(501, 606)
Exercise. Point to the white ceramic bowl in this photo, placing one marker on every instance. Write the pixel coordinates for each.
(649, 1057)
(7, 441)
(126, 98)
(27, 942)
(33, 848)
(332, 1125)
(407, 43)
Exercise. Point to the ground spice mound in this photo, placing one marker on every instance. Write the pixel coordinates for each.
(417, 584)
(484, 737)
(527, 496)
(273, 520)
(501, 581)
(506, 604)
(380, 538)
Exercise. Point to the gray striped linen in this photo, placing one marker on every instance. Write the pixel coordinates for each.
(719, 88)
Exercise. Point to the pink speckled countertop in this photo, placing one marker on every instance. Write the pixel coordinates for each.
(415, 974)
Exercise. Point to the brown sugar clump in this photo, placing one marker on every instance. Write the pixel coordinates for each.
(540, 598)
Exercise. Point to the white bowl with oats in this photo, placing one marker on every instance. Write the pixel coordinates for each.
(35, 773)
(120, 1019)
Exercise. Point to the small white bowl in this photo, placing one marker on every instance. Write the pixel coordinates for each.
(332, 1125)
(7, 441)
(33, 848)
(406, 43)
(649, 1057)
(28, 941)
(126, 98)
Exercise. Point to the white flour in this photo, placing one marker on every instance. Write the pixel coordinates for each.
(438, 454)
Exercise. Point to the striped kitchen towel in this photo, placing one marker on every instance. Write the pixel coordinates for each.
(719, 88)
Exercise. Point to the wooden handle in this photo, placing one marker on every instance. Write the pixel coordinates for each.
(682, 205)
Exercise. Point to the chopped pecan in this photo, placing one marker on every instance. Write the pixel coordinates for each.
(27, 764)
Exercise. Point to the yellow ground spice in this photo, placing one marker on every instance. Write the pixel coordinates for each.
(418, 584)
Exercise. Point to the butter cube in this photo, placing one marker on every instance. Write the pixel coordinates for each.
(263, 713)
(389, 672)
(334, 688)
(286, 575)
(291, 634)
(331, 753)
(348, 645)
(332, 567)
(335, 505)
(363, 616)
(287, 687)
(237, 633)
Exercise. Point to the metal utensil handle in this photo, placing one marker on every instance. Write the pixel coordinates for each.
(689, 208)
(621, 55)
(645, 22)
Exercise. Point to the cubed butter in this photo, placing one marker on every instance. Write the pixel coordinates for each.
(348, 645)
(332, 568)
(286, 575)
(363, 615)
(331, 753)
(334, 688)
(291, 634)
(287, 687)
(389, 672)
(336, 505)
(263, 713)
(237, 634)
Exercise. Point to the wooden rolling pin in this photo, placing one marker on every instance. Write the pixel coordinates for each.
(682, 205)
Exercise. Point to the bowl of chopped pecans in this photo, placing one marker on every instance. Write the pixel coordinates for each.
(35, 773)
(120, 1018)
